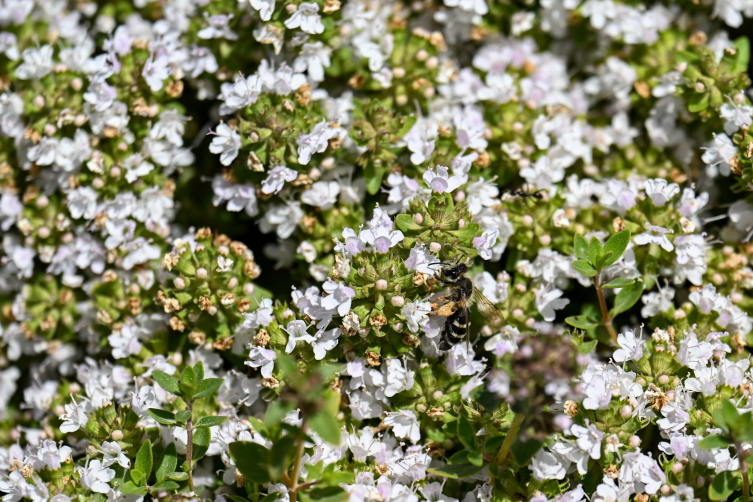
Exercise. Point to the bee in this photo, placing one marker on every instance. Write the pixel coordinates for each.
(454, 305)
(519, 192)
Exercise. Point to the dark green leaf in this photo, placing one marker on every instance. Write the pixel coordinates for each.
(699, 102)
(603, 259)
(455, 471)
(281, 456)
(210, 421)
(581, 248)
(165, 485)
(326, 426)
(587, 347)
(594, 250)
(188, 378)
(617, 244)
(581, 322)
(182, 416)
(493, 445)
(144, 459)
(271, 497)
(201, 439)
(324, 494)
(161, 416)
(198, 368)
(524, 452)
(724, 484)
(459, 457)
(167, 462)
(451, 428)
(177, 476)
(466, 434)
(252, 459)
(626, 298)
(167, 382)
(476, 457)
(208, 387)
(620, 282)
(584, 268)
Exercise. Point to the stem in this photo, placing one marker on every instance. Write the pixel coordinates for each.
(743, 471)
(607, 321)
(511, 433)
(294, 487)
(189, 445)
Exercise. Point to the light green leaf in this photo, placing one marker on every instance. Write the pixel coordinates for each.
(626, 298)
(324, 494)
(742, 45)
(326, 426)
(165, 485)
(581, 248)
(199, 370)
(587, 347)
(130, 488)
(177, 476)
(713, 441)
(167, 382)
(699, 102)
(201, 439)
(584, 268)
(582, 322)
(188, 383)
(619, 282)
(724, 484)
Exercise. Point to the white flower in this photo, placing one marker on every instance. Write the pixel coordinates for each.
(719, 155)
(655, 303)
(316, 141)
(631, 348)
(440, 181)
(226, 142)
(224, 264)
(296, 331)
(398, 377)
(707, 299)
(244, 92)
(380, 234)
(419, 260)
(96, 476)
(322, 194)
(339, 297)
(404, 425)
(324, 342)
(125, 343)
(598, 396)
(265, 8)
(74, 418)
(560, 219)
(416, 314)
(218, 27)
(737, 117)
(547, 465)
(588, 439)
(37, 63)
(485, 243)
(262, 358)
(314, 58)
(660, 191)
(82, 203)
(307, 18)
(655, 235)
(421, 139)
(114, 453)
(548, 300)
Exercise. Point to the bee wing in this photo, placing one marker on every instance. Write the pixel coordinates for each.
(464, 306)
(487, 308)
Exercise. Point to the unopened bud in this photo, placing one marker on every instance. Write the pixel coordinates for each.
(398, 72)
(381, 285)
(179, 283)
(248, 289)
(461, 223)
(115, 172)
(634, 441)
(39, 101)
(397, 301)
(664, 380)
(435, 247)
(545, 240)
(77, 84)
(233, 282)
(201, 273)
(422, 55)
(50, 129)
(117, 435)
(43, 232)
(42, 201)
(287, 313)
(527, 220)
(418, 218)
(699, 87)
(517, 313)
(626, 411)
(212, 310)
(98, 183)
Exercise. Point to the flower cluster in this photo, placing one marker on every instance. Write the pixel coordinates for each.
(375, 251)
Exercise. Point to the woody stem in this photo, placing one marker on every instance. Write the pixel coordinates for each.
(606, 319)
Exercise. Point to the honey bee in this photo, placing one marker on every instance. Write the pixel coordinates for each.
(454, 305)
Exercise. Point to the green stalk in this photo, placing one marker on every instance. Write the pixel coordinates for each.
(511, 433)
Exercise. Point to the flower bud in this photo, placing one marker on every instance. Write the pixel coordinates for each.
(287, 313)
(699, 87)
(291, 7)
(682, 67)
(437, 394)
(663, 379)
(43, 232)
(717, 279)
(458, 196)
(666, 490)
(518, 126)
(315, 174)
(739, 98)
(50, 129)
(77, 84)
(634, 441)
(527, 220)
(248, 289)
(398, 326)
(530, 321)
(117, 435)
(179, 283)
(381, 285)
(422, 55)
(461, 223)
(545, 240)
(435, 247)
(418, 218)
(98, 183)
(398, 72)
(517, 313)
(699, 481)
(397, 301)
(401, 99)
(79, 120)
(521, 288)
(39, 101)
(212, 310)
(626, 411)
(115, 172)
(233, 282)
(328, 163)
(177, 359)
(201, 273)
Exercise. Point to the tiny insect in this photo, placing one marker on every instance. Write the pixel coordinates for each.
(519, 192)
(454, 305)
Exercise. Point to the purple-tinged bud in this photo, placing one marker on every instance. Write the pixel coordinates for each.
(117, 435)
(179, 283)
(381, 285)
(39, 101)
(634, 441)
(201, 273)
(42, 201)
(287, 313)
(545, 240)
(115, 172)
(233, 282)
(418, 218)
(527, 220)
(248, 289)
(212, 310)
(461, 223)
(397, 301)
(43, 232)
(663, 379)
(422, 55)
(50, 129)
(699, 87)
(435, 247)
(77, 84)
(98, 183)
(626, 411)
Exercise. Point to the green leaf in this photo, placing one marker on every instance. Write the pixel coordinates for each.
(581, 248)
(326, 426)
(167, 382)
(724, 484)
(210, 421)
(137, 476)
(182, 416)
(587, 347)
(476, 457)
(742, 44)
(459, 457)
(188, 381)
(208, 387)
(455, 471)
(130, 488)
(161, 416)
(581, 322)
(524, 452)
(201, 439)
(727, 417)
(626, 298)
(699, 102)
(252, 459)
(594, 250)
(324, 494)
(271, 497)
(408, 122)
(585, 268)
(177, 476)
(620, 282)
(144, 459)
(714, 441)
(199, 370)
(466, 434)
(281, 456)
(451, 428)
(167, 462)
(603, 259)
(165, 485)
